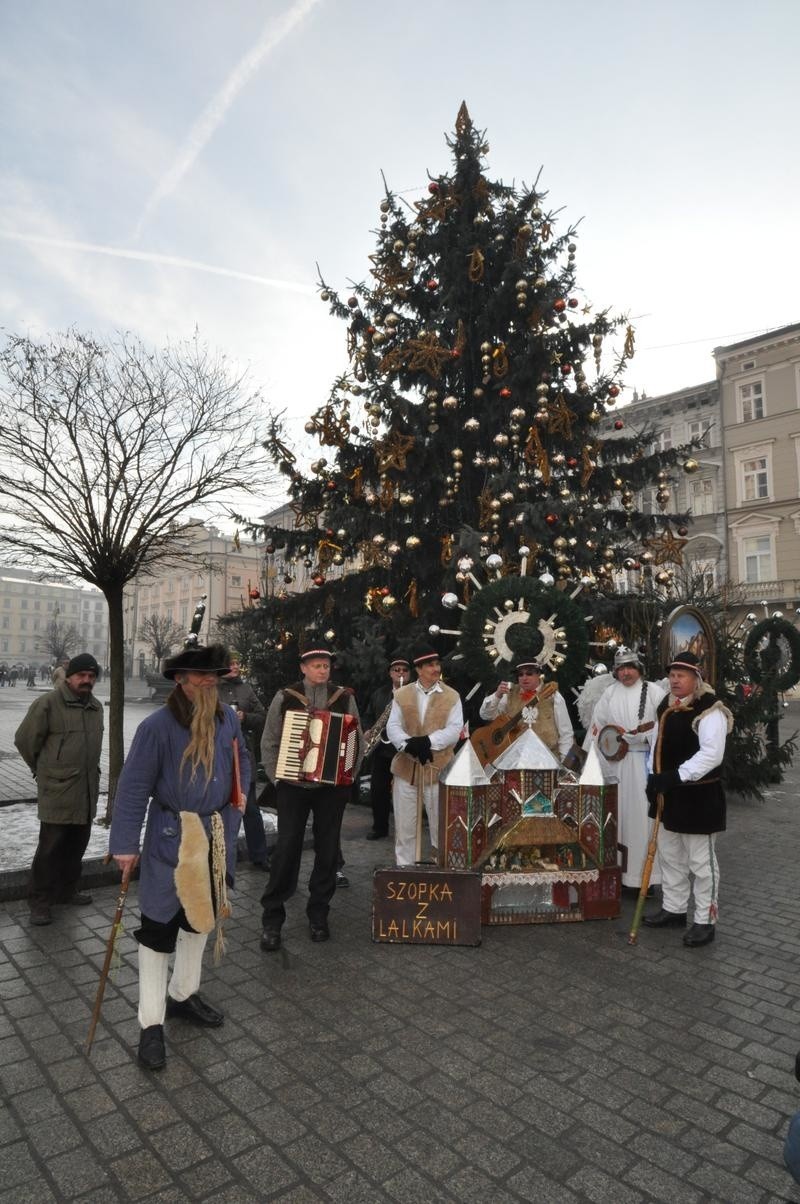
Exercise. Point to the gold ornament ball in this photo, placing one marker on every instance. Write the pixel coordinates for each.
(413, 541)
(388, 602)
(500, 440)
(406, 500)
(450, 403)
(472, 424)
(691, 466)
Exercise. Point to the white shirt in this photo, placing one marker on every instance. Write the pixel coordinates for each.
(443, 737)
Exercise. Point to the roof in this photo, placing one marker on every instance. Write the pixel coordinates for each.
(527, 752)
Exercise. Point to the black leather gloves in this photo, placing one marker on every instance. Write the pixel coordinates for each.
(419, 747)
(660, 783)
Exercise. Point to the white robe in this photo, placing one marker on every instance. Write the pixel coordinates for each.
(620, 705)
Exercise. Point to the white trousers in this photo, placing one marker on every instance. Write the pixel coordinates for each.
(154, 971)
(683, 854)
(404, 798)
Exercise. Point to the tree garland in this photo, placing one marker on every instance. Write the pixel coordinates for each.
(519, 617)
(782, 652)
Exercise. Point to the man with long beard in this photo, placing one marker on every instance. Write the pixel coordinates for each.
(181, 760)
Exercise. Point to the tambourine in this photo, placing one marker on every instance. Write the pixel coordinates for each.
(612, 743)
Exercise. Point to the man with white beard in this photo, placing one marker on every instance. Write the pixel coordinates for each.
(630, 706)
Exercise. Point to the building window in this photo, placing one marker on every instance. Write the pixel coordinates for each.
(663, 440)
(3, 645)
(236, 581)
(755, 479)
(701, 497)
(23, 602)
(698, 433)
(757, 557)
(36, 604)
(751, 400)
(6, 622)
(23, 624)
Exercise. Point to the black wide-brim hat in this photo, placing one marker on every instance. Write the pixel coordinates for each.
(687, 660)
(197, 659)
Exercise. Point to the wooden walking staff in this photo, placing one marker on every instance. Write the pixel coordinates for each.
(112, 940)
(420, 808)
(646, 872)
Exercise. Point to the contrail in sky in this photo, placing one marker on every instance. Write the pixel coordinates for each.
(174, 261)
(216, 109)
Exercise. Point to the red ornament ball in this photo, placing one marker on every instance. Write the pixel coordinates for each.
(330, 485)
(551, 519)
(505, 392)
(560, 305)
(618, 425)
(573, 303)
(254, 594)
(566, 369)
(432, 285)
(318, 579)
(683, 530)
(572, 462)
(384, 591)
(269, 549)
(613, 391)
(433, 187)
(352, 302)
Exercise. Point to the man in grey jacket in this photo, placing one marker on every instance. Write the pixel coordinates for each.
(60, 740)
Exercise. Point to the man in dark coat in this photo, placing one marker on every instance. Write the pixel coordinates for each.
(60, 740)
(296, 800)
(251, 713)
(380, 780)
(686, 754)
(181, 761)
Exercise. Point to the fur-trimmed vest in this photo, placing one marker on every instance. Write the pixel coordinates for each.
(440, 704)
(693, 807)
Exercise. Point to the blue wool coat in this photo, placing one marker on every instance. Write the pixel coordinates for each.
(151, 772)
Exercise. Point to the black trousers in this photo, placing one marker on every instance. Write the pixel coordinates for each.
(380, 793)
(56, 867)
(253, 823)
(326, 805)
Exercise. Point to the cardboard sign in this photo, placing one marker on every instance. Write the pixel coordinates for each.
(420, 906)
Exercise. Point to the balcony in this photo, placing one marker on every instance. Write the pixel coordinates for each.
(769, 591)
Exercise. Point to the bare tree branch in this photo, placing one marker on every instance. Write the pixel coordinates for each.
(106, 451)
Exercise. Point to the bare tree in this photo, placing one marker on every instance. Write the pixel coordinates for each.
(160, 634)
(59, 640)
(105, 450)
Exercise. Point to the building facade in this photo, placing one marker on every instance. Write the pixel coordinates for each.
(224, 569)
(29, 605)
(686, 416)
(759, 382)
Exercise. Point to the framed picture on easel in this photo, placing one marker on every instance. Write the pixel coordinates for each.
(687, 630)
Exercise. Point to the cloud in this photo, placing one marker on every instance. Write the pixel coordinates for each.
(215, 111)
(177, 261)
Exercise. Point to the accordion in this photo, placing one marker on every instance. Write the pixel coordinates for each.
(318, 746)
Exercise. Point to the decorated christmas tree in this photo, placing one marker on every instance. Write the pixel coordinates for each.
(476, 484)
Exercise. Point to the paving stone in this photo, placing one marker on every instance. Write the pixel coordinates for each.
(140, 1174)
(76, 1172)
(179, 1146)
(597, 1185)
(265, 1170)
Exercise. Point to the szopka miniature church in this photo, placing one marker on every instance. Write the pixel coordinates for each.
(543, 838)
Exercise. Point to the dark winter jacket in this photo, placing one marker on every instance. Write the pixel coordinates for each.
(60, 740)
(232, 691)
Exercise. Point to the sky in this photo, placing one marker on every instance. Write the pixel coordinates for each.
(172, 165)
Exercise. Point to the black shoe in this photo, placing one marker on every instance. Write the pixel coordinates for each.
(665, 919)
(261, 865)
(270, 940)
(194, 1009)
(373, 835)
(41, 915)
(700, 934)
(319, 932)
(342, 879)
(152, 1054)
(79, 899)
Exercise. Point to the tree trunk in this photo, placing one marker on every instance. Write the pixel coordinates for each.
(116, 749)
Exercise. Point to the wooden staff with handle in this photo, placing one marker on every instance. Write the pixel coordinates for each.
(112, 940)
(647, 870)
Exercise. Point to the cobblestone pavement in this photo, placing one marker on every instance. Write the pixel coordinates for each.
(551, 1064)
